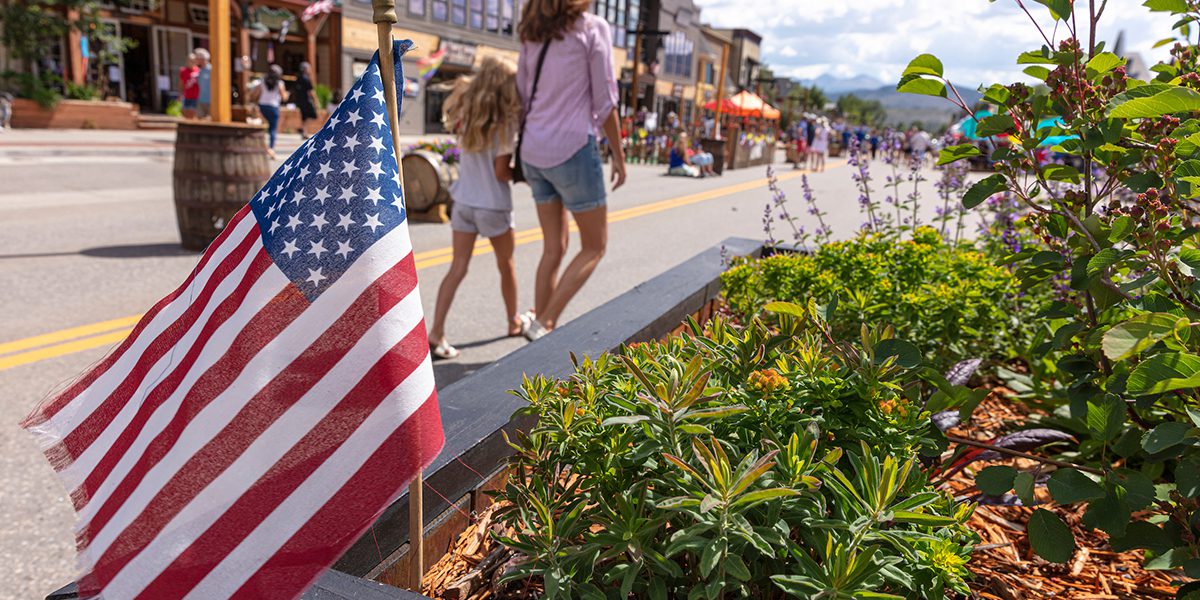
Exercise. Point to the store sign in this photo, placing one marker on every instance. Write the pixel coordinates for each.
(459, 53)
(677, 90)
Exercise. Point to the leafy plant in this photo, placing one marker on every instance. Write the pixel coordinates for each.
(1115, 215)
(950, 300)
(324, 95)
(175, 108)
(736, 462)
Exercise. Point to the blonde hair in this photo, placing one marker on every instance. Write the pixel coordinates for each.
(543, 20)
(484, 106)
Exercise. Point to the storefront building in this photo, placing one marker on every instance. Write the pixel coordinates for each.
(165, 32)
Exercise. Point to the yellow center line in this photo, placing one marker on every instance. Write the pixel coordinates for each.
(106, 333)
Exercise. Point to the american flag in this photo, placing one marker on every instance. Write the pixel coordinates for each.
(260, 417)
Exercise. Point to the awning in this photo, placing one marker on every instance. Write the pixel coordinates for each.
(745, 104)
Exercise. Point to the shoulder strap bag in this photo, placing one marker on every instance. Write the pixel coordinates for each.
(518, 172)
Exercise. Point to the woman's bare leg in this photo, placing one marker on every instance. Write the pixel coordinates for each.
(593, 237)
(553, 219)
(502, 246)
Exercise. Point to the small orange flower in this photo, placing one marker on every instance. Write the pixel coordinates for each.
(767, 381)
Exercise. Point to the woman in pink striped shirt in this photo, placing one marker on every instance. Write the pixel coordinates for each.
(569, 93)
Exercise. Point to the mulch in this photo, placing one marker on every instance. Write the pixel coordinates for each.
(1003, 564)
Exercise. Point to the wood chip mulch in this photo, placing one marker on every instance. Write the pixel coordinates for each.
(1004, 566)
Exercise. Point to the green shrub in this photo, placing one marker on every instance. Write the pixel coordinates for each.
(174, 108)
(324, 95)
(735, 463)
(952, 301)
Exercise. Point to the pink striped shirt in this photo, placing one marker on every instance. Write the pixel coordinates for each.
(576, 92)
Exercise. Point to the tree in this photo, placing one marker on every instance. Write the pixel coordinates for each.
(863, 112)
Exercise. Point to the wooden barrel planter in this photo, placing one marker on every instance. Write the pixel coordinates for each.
(218, 168)
(427, 181)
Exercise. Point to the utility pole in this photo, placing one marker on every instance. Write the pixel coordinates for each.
(637, 64)
(721, 86)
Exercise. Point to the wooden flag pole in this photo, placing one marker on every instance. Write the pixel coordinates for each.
(384, 17)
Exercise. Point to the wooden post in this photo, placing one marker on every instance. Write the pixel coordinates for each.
(219, 48)
(312, 29)
(721, 85)
(385, 16)
(75, 71)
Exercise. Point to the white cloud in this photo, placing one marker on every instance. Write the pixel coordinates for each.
(977, 40)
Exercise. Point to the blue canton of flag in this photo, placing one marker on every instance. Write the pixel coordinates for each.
(338, 193)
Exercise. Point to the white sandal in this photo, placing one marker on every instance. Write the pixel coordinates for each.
(444, 350)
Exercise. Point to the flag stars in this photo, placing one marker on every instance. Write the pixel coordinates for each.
(293, 222)
(374, 196)
(324, 169)
(378, 96)
(303, 172)
(322, 194)
(351, 142)
(345, 222)
(289, 248)
(376, 169)
(329, 145)
(317, 248)
(377, 144)
(334, 121)
(318, 221)
(347, 194)
(348, 168)
(355, 94)
(373, 222)
(344, 249)
(316, 276)
(355, 116)
(379, 120)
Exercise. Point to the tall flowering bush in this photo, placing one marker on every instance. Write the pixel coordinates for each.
(1115, 231)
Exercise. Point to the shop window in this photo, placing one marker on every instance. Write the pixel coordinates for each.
(476, 14)
(198, 13)
(440, 10)
(458, 12)
(416, 8)
(493, 16)
(507, 10)
(679, 54)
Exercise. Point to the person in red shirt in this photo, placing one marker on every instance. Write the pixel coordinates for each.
(190, 84)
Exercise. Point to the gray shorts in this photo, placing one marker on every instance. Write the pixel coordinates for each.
(485, 222)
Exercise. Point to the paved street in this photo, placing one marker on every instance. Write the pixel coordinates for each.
(90, 242)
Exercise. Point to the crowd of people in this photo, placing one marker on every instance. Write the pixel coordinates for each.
(266, 96)
(810, 139)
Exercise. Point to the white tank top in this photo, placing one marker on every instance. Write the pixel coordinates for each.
(270, 97)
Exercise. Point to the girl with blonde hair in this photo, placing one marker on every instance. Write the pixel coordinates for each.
(569, 95)
(483, 112)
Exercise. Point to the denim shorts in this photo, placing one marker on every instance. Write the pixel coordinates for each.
(189, 103)
(577, 183)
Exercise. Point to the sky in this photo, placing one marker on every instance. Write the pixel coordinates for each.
(977, 40)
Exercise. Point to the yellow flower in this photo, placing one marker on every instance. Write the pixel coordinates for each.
(767, 381)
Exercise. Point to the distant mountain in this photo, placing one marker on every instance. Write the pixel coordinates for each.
(834, 85)
(904, 109)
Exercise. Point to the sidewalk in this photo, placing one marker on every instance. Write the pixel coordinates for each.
(22, 143)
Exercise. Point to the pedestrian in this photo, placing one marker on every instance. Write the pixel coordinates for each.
(203, 84)
(920, 142)
(874, 141)
(6, 102)
(678, 161)
(569, 92)
(189, 83)
(483, 112)
(270, 94)
(819, 147)
(304, 96)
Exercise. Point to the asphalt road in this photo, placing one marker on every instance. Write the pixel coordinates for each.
(89, 241)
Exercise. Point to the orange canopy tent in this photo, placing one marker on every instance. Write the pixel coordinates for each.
(745, 104)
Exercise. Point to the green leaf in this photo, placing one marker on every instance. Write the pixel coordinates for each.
(1164, 436)
(624, 420)
(1139, 333)
(1103, 260)
(1023, 486)
(995, 480)
(1187, 476)
(995, 125)
(1106, 416)
(786, 308)
(916, 84)
(1121, 228)
(1050, 538)
(908, 516)
(983, 189)
(957, 153)
(1110, 513)
(734, 565)
(1057, 172)
(1059, 9)
(1037, 72)
(709, 558)
(1036, 57)
(1068, 486)
(925, 64)
(763, 495)
(1164, 373)
(1104, 62)
(1173, 100)
(907, 355)
(1172, 6)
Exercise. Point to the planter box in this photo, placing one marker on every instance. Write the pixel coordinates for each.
(74, 114)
